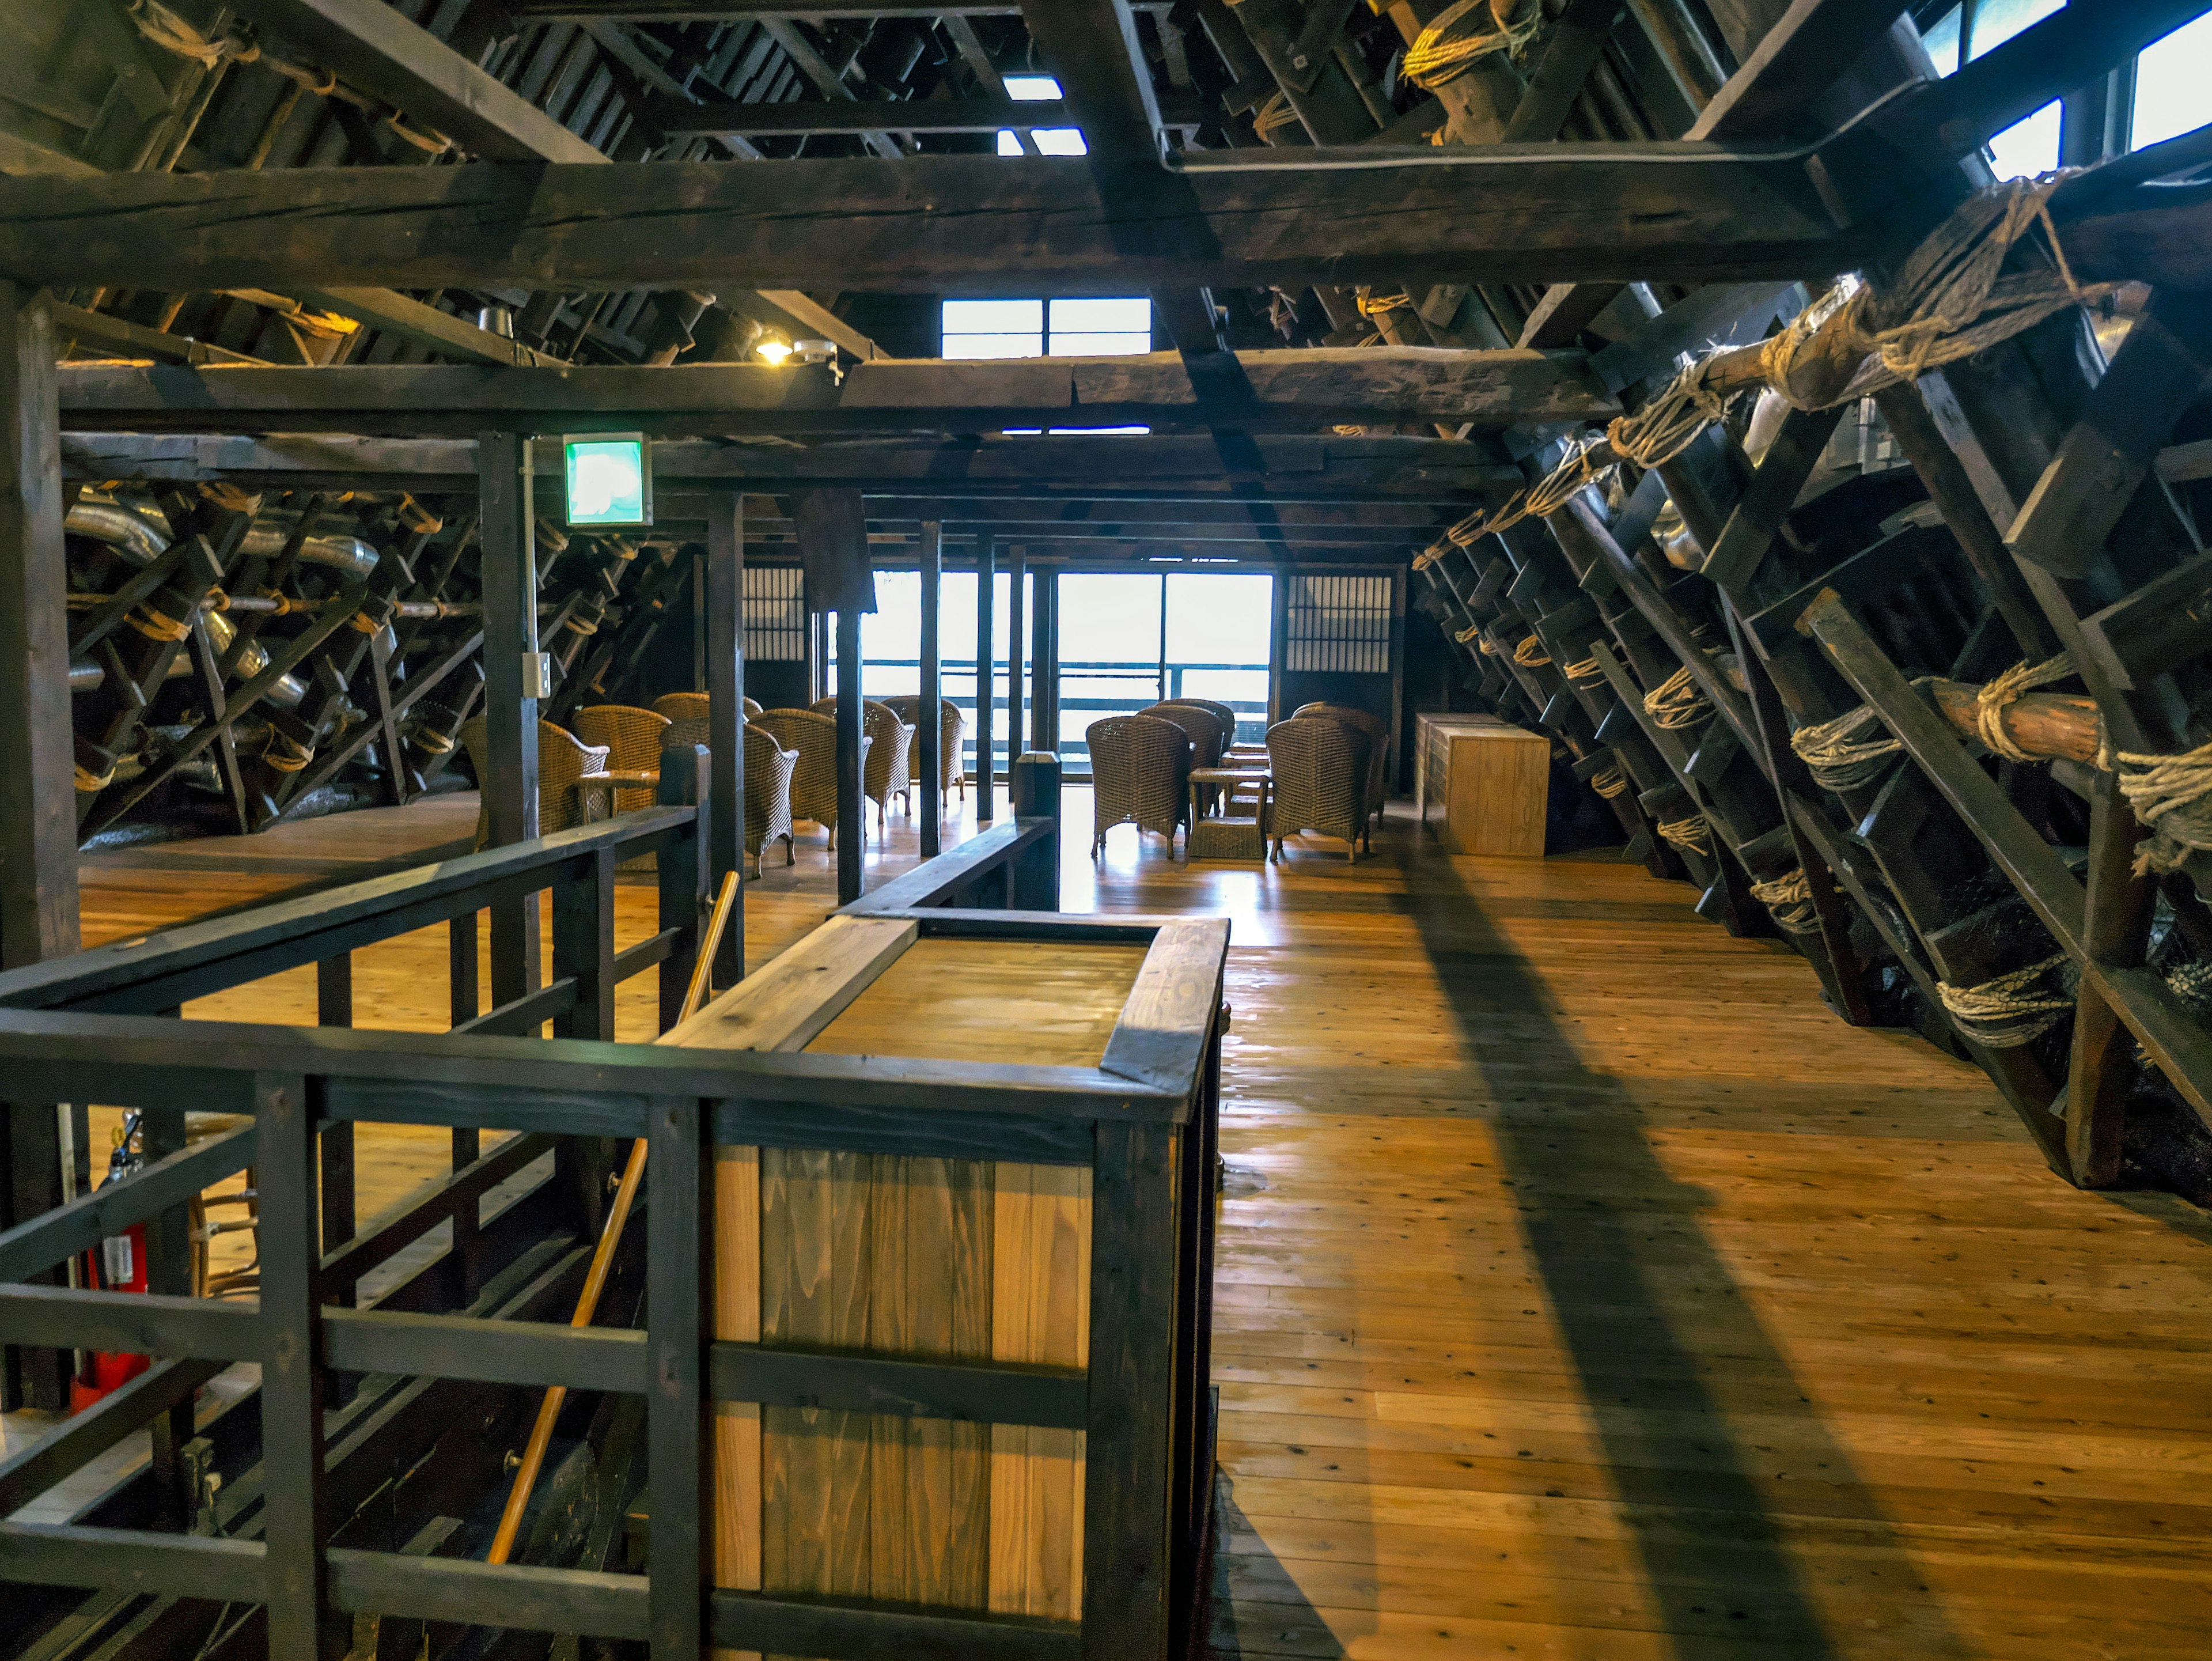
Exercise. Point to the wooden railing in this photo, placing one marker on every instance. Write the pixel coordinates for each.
(1141, 1122)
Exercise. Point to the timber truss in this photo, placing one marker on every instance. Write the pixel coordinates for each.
(1401, 300)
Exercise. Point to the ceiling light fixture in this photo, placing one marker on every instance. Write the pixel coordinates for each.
(774, 345)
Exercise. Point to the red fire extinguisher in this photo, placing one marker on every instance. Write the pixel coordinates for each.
(117, 1264)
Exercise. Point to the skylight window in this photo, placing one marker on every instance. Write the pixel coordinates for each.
(2170, 82)
(1050, 141)
(1036, 328)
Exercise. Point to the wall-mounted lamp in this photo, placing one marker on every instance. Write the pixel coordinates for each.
(774, 346)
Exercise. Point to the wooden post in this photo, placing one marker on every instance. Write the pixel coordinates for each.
(291, 1370)
(929, 727)
(985, 672)
(1125, 1485)
(1044, 660)
(1017, 569)
(2114, 928)
(584, 948)
(726, 716)
(677, 1437)
(686, 777)
(38, 799)
(334, 1007)
(465, 1003)
(852, 805)
(508, 548)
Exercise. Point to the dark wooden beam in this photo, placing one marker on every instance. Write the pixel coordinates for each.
(510, 618)
(943, 224)
(1571, 49)
(1121, 467)
(935, 115)
(735, 11)
(373, 48)
(38, 816)
(725, 691)
(1804, 53)
(929, 727)
(1304, 388)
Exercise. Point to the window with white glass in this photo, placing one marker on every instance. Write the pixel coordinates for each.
(1041, 328)
(1050, 141)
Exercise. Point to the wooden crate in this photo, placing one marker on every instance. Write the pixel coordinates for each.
(1492, 781)
(963, 1260)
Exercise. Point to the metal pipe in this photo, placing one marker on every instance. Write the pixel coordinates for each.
(120, 527)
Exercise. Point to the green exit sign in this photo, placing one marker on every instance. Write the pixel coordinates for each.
(610, 479)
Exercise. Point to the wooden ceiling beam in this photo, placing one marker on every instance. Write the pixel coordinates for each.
(1299, 467)
(1303, 389)
(940, 224)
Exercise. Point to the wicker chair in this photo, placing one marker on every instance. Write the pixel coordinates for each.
(693, 706)
(813, 737)
(561, 762)
(1207, 739)
(1377, 734)
(952, 726)
(1320, 769)
(632, 736)
(1140, 773)
(768, 769)
(889, 771)
(1222, 712)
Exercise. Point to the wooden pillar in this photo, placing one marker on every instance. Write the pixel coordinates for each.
(726, 718)
(37, 797)
(1016, 569)
(507, 547)
(852, 805)
(1044, 660)
(334, 1007)
(929, 727)
(985, 672)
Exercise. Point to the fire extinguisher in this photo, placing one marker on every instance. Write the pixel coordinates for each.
(117, 1264)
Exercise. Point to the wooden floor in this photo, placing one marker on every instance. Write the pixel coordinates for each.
(1586, 1290)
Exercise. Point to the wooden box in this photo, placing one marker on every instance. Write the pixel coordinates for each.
(1492, 781)
(934, 1260)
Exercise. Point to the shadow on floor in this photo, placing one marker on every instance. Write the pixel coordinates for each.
(1702, 1525)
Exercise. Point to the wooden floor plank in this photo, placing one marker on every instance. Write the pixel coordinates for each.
(1586, 1289)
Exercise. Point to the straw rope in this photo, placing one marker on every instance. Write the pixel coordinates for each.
(1789, 899)
(1676, 703)
(1272, 116)
(2172, 795)
(1530, 653)
(1609, 781)
(1693, 833)
(1464, 34)
(285, 753)
(2008, 687)
(1839, 759)
(1564, 483)
(1951, 299)
(1589, 669)
(1999, 1013)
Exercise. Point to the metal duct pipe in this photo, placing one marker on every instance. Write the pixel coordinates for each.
(123, 528)
(340, 551)
(288, 693)
(88, 675)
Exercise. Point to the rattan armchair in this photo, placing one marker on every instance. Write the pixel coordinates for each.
(1208, 737)
(889, 771)
(1319, 768)
(1140, 774)
(681, 707)
(768, 769)
(814, 777)
(561, 760)
(952, 726)
(1377, 731)
(633, 737)
(1222, 713)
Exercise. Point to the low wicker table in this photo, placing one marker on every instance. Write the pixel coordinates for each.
(1221, 837)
